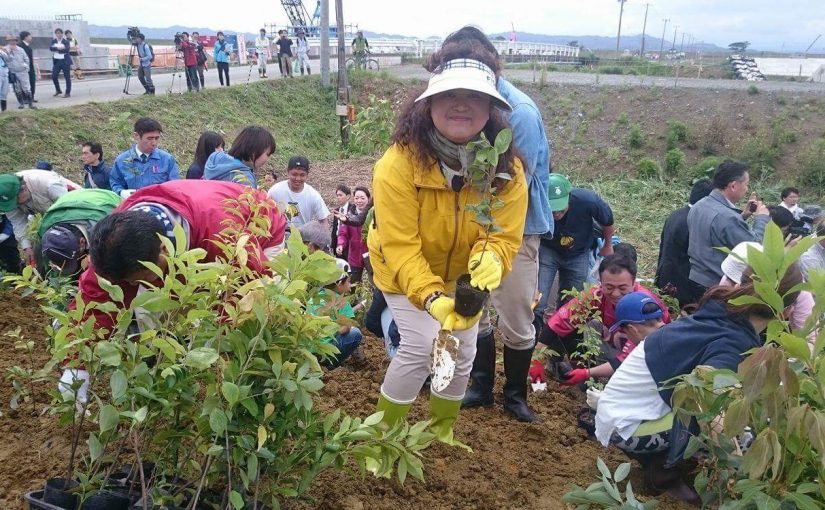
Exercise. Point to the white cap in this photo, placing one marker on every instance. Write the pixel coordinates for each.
(465, 73)
(343, 266)
(736, 262)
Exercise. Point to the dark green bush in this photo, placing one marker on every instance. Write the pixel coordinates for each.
(635, 140)
(648, 168)
(674, 162)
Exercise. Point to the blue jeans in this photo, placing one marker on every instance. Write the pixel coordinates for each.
(346, 344)
(572, 273)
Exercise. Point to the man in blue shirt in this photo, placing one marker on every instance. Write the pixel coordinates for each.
(575, 211)
(143, 164)
(513, 300)
(146, 56)
(95, 171)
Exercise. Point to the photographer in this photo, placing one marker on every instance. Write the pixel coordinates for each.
(146, 56)
(190, 60)
(200, 57)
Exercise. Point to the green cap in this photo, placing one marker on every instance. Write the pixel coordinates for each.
(9, 188)
(558, 192)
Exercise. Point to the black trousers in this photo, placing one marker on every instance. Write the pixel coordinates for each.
(32, 80)
(200, 74)
(63, 66)
(192, 78)
(223, 70)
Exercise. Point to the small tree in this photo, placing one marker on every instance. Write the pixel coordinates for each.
(739, 47)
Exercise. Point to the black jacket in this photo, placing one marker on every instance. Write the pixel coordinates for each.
(673, 267)
(29, 53)
(711, 337)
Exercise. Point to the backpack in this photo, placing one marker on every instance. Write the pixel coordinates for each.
(152, 50)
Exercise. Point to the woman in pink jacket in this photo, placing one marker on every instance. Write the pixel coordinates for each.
(349, 236)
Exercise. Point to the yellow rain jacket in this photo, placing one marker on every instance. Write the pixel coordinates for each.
(423, 236)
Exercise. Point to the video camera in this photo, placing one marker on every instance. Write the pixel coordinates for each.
(132, 33)
(178, 38)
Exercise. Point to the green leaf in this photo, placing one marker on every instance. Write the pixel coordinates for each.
(603, 469)
(108, 353)
(114, 291)
(231, 392)
(218, 421)
(373, 419)
(503, 139)
(621, 472)
(201, 358)
(119, 384)
(108, 418)
(236, 499)
(794, 345)
(215, 450)
(95, 447)
(252, 467)
(757, 458)
(141, 413)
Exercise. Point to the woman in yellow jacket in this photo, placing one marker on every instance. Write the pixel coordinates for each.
(424, 237)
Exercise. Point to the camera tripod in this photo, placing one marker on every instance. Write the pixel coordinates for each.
(132, 51)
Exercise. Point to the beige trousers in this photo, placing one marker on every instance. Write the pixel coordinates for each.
(411, 364)
(513, 300)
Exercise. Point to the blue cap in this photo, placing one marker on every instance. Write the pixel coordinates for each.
(629, 310)
(43, 165)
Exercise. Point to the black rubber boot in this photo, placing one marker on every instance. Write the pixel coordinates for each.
(483, 374)
(516, 367)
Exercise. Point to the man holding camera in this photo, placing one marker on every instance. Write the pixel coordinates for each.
(145, 56)
(200, 57)
(190, 60)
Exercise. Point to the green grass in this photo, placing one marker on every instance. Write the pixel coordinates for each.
(298, 112)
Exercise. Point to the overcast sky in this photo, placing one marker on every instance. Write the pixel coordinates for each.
(767, 24)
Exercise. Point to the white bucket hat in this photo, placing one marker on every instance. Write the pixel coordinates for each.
(736, 262)
(465, 73)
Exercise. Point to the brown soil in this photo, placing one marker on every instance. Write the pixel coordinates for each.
(513, 465)
(34, 446)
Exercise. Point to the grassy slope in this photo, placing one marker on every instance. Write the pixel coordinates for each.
(298, 112)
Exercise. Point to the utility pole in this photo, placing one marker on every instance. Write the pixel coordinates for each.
(324, 43)
(673, 46)
(644, 28)
(342, 105)
(619, 35)
(662, 47)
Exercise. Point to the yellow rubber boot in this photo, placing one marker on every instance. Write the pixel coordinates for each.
(443, 414)
(393, 413)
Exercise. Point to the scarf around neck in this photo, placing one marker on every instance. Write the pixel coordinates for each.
(453, 158)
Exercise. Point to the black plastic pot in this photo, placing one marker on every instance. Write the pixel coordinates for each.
(468, 299)
(58, 493)
(106, 500)
(35, 501)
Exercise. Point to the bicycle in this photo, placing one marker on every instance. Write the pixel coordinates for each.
(364, 61)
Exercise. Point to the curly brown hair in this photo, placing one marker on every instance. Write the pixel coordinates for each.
(415, 121)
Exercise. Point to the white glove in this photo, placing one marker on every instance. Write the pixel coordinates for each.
(593, 396)
(126, 193)
(67, 384)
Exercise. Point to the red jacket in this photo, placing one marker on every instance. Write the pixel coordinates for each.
(200, 203)
(562, 324)
(350, 236)
(190, 57)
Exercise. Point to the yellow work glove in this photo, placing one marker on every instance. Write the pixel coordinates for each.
(443, 310)
(485, 271)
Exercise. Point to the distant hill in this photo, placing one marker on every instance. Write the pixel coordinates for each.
(107, 32)
(596, 42)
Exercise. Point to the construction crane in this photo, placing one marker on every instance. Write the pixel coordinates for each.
(299, 17)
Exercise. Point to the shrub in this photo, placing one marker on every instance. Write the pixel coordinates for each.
(614, 154)
(781, 101)
(222, 387)
(753, 90)
(611, 70)
(705, 168)
(674, 162)
(648, 168)
(761, 152)
(622, 119)
(811, 165)
(606, 493)
(677, 132)
(371, 133)
(713, 140)
(776, 392)
(635, 140)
